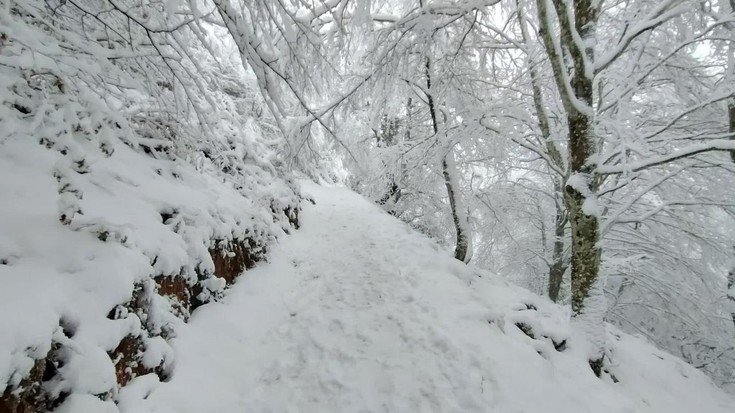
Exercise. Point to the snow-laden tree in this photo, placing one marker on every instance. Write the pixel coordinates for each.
(593, 68)
(653, 100)
(154, 77)
(421, 64)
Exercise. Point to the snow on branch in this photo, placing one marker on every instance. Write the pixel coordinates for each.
(683, 153)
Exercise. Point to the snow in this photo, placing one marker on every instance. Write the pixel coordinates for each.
(57, 274)
(580, 182)
(101, 194)
(357, 312)
(85, 403)
(590, 320)
(60, 280)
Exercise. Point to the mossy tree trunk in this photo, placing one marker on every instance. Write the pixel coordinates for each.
(731, 130)
(577, 31)
(731, 273)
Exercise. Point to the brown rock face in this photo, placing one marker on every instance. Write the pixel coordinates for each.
(180, 292)
(28, 396)
(25, 398)
(231, 258)
(126, 357)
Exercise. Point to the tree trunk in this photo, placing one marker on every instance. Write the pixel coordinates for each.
(588, 303)
(731, 129)
(731, 292)
(558, 267)
(731, 121)
(585, 226)
(731, 273)
(463, 248)
(557, 167)
(390, 198)
(731, 116)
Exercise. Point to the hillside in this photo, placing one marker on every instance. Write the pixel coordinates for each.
(108, 245)
(357, 312)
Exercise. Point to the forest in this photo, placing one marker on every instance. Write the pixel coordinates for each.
(583, 150)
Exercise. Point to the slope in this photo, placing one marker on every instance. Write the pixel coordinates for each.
(356, 312)
(125, 201)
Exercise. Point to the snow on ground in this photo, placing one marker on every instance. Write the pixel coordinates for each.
(358, 313)
(56, 274)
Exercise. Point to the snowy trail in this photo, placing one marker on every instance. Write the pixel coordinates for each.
(357, 313)
(333, 323)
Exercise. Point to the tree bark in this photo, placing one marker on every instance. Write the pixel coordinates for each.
(731, 116)
(731, 291)
(558, 266)
(731, 121)
(463, 248)
(585, 261)
(731, 130)
(557, 166)
(588, 305)
(587, 296)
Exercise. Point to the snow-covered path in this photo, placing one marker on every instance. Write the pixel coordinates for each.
(357, 313)
(333, 323)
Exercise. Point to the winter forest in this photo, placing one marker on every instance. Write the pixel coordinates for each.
(153, 150)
